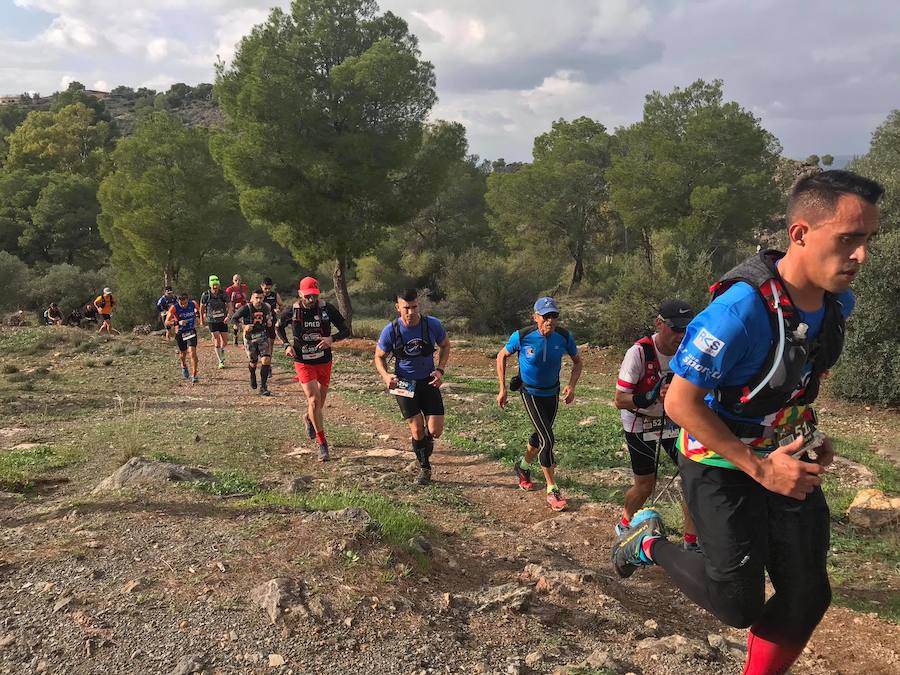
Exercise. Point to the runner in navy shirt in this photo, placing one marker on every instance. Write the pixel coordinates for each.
(412, 339)
(166, 300)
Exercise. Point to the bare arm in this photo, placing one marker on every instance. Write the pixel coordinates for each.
(437, 377)
(568, 393)
(779, 472)
(381, 358)
(502, 356)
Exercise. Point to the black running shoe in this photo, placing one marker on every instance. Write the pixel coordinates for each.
(253, 379)
(310, 429)
(628, 552)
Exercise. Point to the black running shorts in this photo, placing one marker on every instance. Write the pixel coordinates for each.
(427, 401)
(218, 327)
(643, 453)
(184, 344)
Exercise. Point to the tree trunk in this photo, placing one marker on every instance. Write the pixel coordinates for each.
(647, 241)
(578, 271)
(340, 290)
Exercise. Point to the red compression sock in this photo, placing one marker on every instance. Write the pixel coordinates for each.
(625, 522)
(769, 658)
(320, 437)
(690, 538)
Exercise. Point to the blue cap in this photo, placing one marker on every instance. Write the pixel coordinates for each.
(545, 305)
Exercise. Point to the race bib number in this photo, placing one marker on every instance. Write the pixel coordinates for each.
(217, 314)
(655, 429)
(190, 335)
(806, 428)
(258, 336)
(404, 388)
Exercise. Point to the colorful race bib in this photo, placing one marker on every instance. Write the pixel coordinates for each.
(405, 388)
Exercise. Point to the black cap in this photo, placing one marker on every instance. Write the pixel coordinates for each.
(676, 313)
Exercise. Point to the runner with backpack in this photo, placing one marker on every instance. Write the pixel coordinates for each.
(215, 311)
(540, 349)
(641, 389)
(182, 317)
(311, 319)
(255, 318)
(412, 339)
(238, 295)
(750, 455)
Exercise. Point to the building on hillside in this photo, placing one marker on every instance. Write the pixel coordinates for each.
(99, 95)
(10, 100)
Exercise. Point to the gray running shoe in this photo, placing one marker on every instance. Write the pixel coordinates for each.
(424, 477)
(693, 548)
(323, 452)
(627, 552)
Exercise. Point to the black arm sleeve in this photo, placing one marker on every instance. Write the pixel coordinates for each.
(337, 320)
(239, 315)
(283, 321)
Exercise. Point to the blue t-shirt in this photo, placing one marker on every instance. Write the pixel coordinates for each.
(540, 359)
(726, 345)
(412, 365)
(164, 302)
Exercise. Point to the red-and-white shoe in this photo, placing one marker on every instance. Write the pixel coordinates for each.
(524, 476)
(555, 500)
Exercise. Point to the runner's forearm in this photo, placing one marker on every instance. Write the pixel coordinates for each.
(577, 367)
(501, 368)
(443, 355)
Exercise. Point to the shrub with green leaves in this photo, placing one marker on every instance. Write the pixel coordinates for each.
(869, 368)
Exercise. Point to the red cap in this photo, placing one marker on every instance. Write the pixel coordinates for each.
(309, 286)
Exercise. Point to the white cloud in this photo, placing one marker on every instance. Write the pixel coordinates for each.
(100, 85)
(508, 68)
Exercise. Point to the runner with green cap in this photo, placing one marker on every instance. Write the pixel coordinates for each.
(215, 311)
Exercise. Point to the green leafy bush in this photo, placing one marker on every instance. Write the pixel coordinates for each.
(869, 368)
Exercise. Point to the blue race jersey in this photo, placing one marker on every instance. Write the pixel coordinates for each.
(164, 302)
(412, 365)
(540, 359)
(726, 346)
(188, 314)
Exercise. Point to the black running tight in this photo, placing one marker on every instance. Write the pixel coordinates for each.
(542, 412)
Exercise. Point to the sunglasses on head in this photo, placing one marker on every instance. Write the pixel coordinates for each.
(550, 315)
(671, 324)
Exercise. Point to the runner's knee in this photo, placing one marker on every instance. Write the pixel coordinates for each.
(546, 451)
(738, 602)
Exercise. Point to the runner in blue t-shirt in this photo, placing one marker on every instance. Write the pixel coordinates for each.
(412, 340)
(166, 300)
(541, 349)
(750, 457)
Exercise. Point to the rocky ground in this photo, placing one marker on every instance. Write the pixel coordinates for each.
(150, 575)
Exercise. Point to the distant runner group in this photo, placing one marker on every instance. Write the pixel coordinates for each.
(726, 394)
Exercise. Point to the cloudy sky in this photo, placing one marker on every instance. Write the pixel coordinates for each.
(821, 75)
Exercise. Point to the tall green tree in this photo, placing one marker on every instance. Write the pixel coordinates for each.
(76, 93)
(882, 163)
(561, 198)
(19, 192)
(63, 223)
(70, 140)
(165, 204)
(326, 107)
(699, 167)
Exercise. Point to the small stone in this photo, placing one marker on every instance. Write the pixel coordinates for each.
(650, 624)
(419, 544)
(187, 665)
(276, 660)
(533, 659)
(184, 624)
(64, 601)
(232, 635)
(132, 585)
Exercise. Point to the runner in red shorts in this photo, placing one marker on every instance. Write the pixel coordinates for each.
(311, 319)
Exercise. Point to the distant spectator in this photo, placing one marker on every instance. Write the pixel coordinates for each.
(53, 316)
(90, 313)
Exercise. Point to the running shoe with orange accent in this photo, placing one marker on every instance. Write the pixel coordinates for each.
(524, 476)
(555, 500)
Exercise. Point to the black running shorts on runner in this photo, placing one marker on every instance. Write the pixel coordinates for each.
(643, 453)
(106, 317)
(218, 327)
(427, 400)
(745, 528)
(184, 344)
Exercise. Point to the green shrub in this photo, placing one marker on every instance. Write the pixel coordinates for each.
(69, 286)
(14, 279)
(494, 293)
(9, 368)
(869, 368)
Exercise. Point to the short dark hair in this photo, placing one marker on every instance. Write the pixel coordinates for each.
(408, 294)
(821, 191)
(182, 296)
(267, 281)
(167, 288)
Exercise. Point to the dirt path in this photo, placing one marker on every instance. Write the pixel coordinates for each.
(133, 582)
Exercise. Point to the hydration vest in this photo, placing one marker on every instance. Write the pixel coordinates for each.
(779, 383)
(271, 299)
(652, 367)
(319, 313)
(399, 347)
